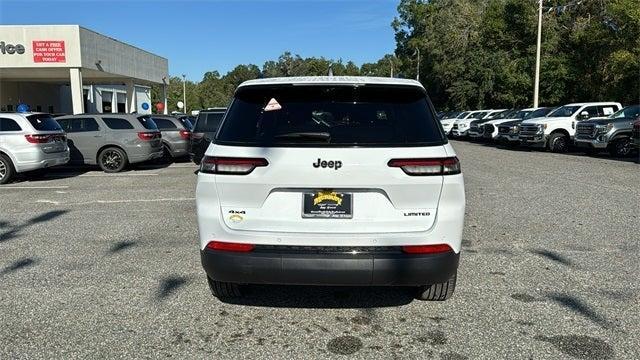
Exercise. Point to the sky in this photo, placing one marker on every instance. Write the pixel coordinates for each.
(199, 35)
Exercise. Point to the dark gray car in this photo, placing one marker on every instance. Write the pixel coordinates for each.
(176, 134)
(613, 133)
(204, 130)
(111, 140)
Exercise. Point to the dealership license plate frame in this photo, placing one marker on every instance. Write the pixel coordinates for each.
(328, 208)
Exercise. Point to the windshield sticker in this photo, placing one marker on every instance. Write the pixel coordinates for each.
(273, 105)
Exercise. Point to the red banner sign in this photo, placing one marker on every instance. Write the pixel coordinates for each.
(49, 51)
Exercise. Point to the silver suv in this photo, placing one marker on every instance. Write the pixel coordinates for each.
(176, 134)
(613, 133)
(28, 142)
(111, 140)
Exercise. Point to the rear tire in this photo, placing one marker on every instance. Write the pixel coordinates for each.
(558, 143)
(224, 290)
(7, 171)
(437, 292)
(112, 160)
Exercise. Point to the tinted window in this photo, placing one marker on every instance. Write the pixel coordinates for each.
(564, 111)
(330, 116)
(164, 124)
(148, 123)
(9, 125)
(117, 123)
(187, 123)
(592, 110)
(208, 122)
(43, 122)
(628, 112)
(538, 113)
(75, 125)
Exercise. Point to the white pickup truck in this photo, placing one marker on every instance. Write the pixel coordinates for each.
(557, 130)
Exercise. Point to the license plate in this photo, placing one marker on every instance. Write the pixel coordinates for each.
(327, 204)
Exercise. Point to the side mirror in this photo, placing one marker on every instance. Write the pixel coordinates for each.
(583, 115)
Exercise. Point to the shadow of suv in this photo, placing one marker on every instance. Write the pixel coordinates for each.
(111, 140)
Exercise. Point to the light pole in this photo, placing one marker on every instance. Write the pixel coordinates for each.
(184, 92)
(391, 64)
(536, 86)
(418, 65)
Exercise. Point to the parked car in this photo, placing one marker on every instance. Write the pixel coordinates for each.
(613, 133)
(30, 142)
(476, 126)
(331, 181)
(447, 123)
(461, 125)
(556, 131)
(636, 134)
(508, 132)
(490, 128)
(187, 121)
(112, 141)
(175, 136)
(203, 131)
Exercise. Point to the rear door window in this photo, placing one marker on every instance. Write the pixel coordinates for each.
(76, 125)
(43, 122)
(208, 121)
(148, 123)
(328, 116)
(9, 125)
(117, 123)
(165, 124)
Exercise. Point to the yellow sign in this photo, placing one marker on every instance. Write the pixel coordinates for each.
(327, 195)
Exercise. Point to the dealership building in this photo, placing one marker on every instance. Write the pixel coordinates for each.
(70, 69)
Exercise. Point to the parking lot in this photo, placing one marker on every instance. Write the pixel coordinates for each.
(107, 265)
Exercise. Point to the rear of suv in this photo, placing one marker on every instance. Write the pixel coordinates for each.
(176, 134)
(331, 181)
(30, 142)
(111, 141)
(203, 132)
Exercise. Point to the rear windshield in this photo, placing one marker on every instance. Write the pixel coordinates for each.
(148, 123)
(44, 122)
(208, 121)
(330, 116)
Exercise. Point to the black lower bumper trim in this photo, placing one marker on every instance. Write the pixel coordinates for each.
(384, 268)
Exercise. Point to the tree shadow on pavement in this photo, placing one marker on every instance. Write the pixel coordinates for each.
(14, 230)
(578, 306)
(323, 297)
(170, 285)
(18, 264)
(554, 256)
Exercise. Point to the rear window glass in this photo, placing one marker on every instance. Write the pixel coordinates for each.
(330, 116)
(208, 122)
(44, 122)
(187, 122)
(164, 124)
(117, 123)
(148, 123)
(9, 125)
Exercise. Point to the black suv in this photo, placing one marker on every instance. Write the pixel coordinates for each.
(204, 130)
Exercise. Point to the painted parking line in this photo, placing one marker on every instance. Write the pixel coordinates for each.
(117, 175)
(34, 187)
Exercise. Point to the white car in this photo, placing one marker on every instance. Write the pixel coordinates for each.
(30, 142)
(557, 129)
(490, 128)
(461, 124)
(447, 125)
(475, 126)
(331, 181)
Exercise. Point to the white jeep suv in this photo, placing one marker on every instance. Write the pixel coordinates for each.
(557, 130)
(331, 181)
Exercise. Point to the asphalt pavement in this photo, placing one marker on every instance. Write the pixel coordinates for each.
(95, 265)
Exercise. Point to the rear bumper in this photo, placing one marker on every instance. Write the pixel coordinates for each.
(43, 160)
(275, 266)
(141, 156)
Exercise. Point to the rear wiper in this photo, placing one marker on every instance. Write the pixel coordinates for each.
(305, 135)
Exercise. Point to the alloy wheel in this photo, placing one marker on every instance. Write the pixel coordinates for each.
(3, 169)
(623, 147)
(560, 144)
(111, 159)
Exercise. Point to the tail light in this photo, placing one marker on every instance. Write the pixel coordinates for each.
(38, 139)
(185, 134)
(197, 136)
(427, 167)
(230, 166)
(149, 135)
(427, 249)
(228, 246)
